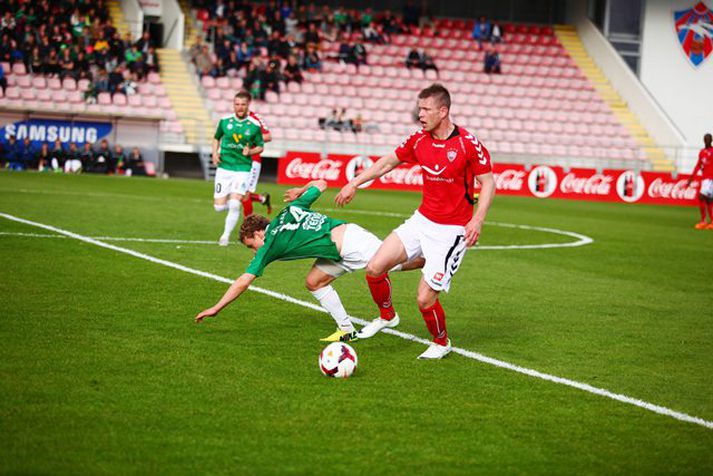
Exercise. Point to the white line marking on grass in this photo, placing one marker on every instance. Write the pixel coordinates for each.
(464, 352)
(581, 239)
(116, 238)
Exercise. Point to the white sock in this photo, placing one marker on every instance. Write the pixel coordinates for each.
(220, 208)
(232, 218)
(329, 299)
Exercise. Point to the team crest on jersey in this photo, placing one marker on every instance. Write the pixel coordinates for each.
(452, 154)
(694, 29)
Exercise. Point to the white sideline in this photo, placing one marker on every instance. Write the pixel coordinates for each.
(464, 352)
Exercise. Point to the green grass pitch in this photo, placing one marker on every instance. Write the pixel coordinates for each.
(103, 371)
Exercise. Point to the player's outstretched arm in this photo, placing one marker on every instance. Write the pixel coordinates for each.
(294, 193)
(234, 291)
(381, 167)
(487, 192)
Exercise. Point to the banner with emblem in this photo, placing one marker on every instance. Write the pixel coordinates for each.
(694, 30)
(540, 181)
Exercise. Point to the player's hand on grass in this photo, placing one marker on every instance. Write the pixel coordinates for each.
(210, 312)
(345, 195)
(472, 232)
(293, 194)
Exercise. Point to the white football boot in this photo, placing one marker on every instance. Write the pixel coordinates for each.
(224, 241)
(376, 325)
(436, 351)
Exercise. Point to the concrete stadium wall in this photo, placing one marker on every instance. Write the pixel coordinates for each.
(684, 91)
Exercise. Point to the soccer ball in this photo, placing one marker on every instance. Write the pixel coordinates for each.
(338, 360)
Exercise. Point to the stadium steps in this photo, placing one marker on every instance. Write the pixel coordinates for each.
(183, 92)
(117, 17)
(570, 40)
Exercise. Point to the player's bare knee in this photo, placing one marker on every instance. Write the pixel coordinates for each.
(312, 284)
(426, 299)
(375, 269)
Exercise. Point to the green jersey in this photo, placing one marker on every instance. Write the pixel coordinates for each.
(234, 134)
(297, 232)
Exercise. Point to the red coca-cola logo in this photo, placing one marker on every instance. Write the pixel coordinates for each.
(324, 169)
(404, 176)
(510, 179)
(678, 190)
(597, 184)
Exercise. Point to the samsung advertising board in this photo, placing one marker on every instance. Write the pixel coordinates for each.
(49, 130)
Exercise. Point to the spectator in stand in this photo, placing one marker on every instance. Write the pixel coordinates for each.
(359, 54)
(27, 154)
(3, 80)
(292, 71)
(195, 50)
(118, 158)
(57, 156)
(103, 158)
(66, 64)
(72, 161)
(255, 79)
(312, 61)
(134, 164)
(272, 77)
(373, 33)
(345, 51)
(496, 34)
(413, 60)
(427, 62)
(204, 63)
(116, 79)
(35, 63)
(86, 157)
(144, 44)
(491, 62)
(312, 36)
(13, 154)
(43, 158)
(244, 55)
(481, 31)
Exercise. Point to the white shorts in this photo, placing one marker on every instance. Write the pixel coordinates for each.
(358, 246)
(706, 188)
(443, 247)
(254, 176)
(228, 182)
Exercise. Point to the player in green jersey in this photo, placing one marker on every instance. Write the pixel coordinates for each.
(298, 232)
(237, 138)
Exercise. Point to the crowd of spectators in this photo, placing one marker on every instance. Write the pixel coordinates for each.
(74, 39)
(55, 157)
(271, 43)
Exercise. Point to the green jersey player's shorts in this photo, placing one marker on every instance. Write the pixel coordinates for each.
(358, 247)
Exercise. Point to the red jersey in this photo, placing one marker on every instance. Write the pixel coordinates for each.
(704, 164)
(265, 130)
(448, 168)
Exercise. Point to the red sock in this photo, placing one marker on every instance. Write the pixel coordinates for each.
(380, 287)
(256, 197)
(247, 206)
(435, 319)
(710, 211)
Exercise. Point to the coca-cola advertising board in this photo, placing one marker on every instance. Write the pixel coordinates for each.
(541, 181)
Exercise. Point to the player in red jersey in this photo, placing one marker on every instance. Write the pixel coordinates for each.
(251, 196)
(444, 225)
(705, 193)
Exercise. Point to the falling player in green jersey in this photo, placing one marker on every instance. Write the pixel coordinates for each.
(297, 233)
(237, 138)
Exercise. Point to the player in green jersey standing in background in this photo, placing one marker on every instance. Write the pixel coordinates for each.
(297, 233)
(237, 138)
